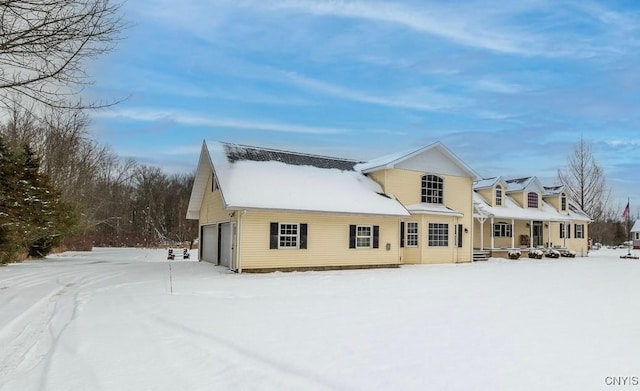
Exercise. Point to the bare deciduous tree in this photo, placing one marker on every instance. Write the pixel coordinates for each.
(44, 44)
(585, 181)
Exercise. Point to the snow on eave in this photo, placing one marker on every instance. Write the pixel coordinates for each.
(205, 167)
(273, 185)
(511, 210)
(390, 161)
(636, 226)
(434, 209)
(489, 183)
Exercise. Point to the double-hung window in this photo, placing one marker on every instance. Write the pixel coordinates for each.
(288, 235)
(412, 234)
(498, 195)
(438, 235)
(364, 236)
(579, 231)
(563, 202)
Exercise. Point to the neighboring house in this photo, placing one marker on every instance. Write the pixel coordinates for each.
(635, 234)
(522, 213)
(262, 209)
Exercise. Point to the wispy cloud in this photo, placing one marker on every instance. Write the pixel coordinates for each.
(420, 99)
(191, 119)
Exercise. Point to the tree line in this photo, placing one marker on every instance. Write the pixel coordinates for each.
(62, 188)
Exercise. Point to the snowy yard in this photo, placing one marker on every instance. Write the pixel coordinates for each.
(107, 320)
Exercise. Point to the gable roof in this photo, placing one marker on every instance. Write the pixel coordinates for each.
(396, 159)
(553, 190)
(511, 210)
(636, 226)
(489, 183)
(237, 152)
(260, 178)
(521, 184)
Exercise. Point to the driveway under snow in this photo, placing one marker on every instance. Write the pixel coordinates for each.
(117, 319)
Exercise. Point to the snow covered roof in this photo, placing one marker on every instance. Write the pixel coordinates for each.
(422, 163)
(552, 190)
(511, 210)
(636, 226)
(434, 209)
(260, 178)
(489, 183)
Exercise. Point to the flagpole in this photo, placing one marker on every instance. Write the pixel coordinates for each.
(628, 227)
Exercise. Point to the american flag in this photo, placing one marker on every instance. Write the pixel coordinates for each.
(625, 212)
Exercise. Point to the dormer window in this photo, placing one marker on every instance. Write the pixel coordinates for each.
(498, 195)
(532, 200)
(563, 202)
(432, 189)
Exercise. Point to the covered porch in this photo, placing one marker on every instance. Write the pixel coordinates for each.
(496, 235)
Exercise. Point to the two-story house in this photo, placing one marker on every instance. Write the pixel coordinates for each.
(522, 213)
(262, 209)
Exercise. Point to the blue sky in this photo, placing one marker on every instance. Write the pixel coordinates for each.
(509, 87)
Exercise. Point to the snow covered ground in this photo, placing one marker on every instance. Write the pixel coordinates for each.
(108, 320)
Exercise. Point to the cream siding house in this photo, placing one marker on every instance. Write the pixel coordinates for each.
(261, 209)
(521, 213)
(635, 235)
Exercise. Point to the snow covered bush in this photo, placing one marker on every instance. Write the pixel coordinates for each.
(514, 254)
(568, 254)
(535, 253)
(551, 253)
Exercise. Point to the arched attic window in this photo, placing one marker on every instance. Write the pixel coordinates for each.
(532, 200)
(432, 189)
(498, 195)
(563, 202)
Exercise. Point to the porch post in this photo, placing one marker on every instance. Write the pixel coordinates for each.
(531, 233)
(492, 234)
(513, 234)
(482, 233)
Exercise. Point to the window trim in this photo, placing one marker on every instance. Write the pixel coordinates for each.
(502, 230)
(370, 236)
(563, 202)
(296, 236)
(275, 235)
(438, 235)
(499, 196)
(427, 192)
(530, 199)
(578, 234)
(412, 237)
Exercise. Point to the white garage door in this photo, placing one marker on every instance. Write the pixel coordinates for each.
(225, 244)
(209, 243)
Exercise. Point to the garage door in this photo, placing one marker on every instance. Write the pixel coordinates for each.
(209, 243)
(225, 244)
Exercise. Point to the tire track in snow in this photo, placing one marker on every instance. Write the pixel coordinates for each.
(31, 339)
(296, 377)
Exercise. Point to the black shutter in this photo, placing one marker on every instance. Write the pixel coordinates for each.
(459, 235)
(352, 236)
(273, 243)
(376, 236)
(303, 236)
(402, 234)
(569, 232)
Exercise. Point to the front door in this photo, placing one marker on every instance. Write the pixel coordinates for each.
(537, 239)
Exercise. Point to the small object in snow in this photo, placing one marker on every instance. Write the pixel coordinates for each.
(629, 256)
(171, 255)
